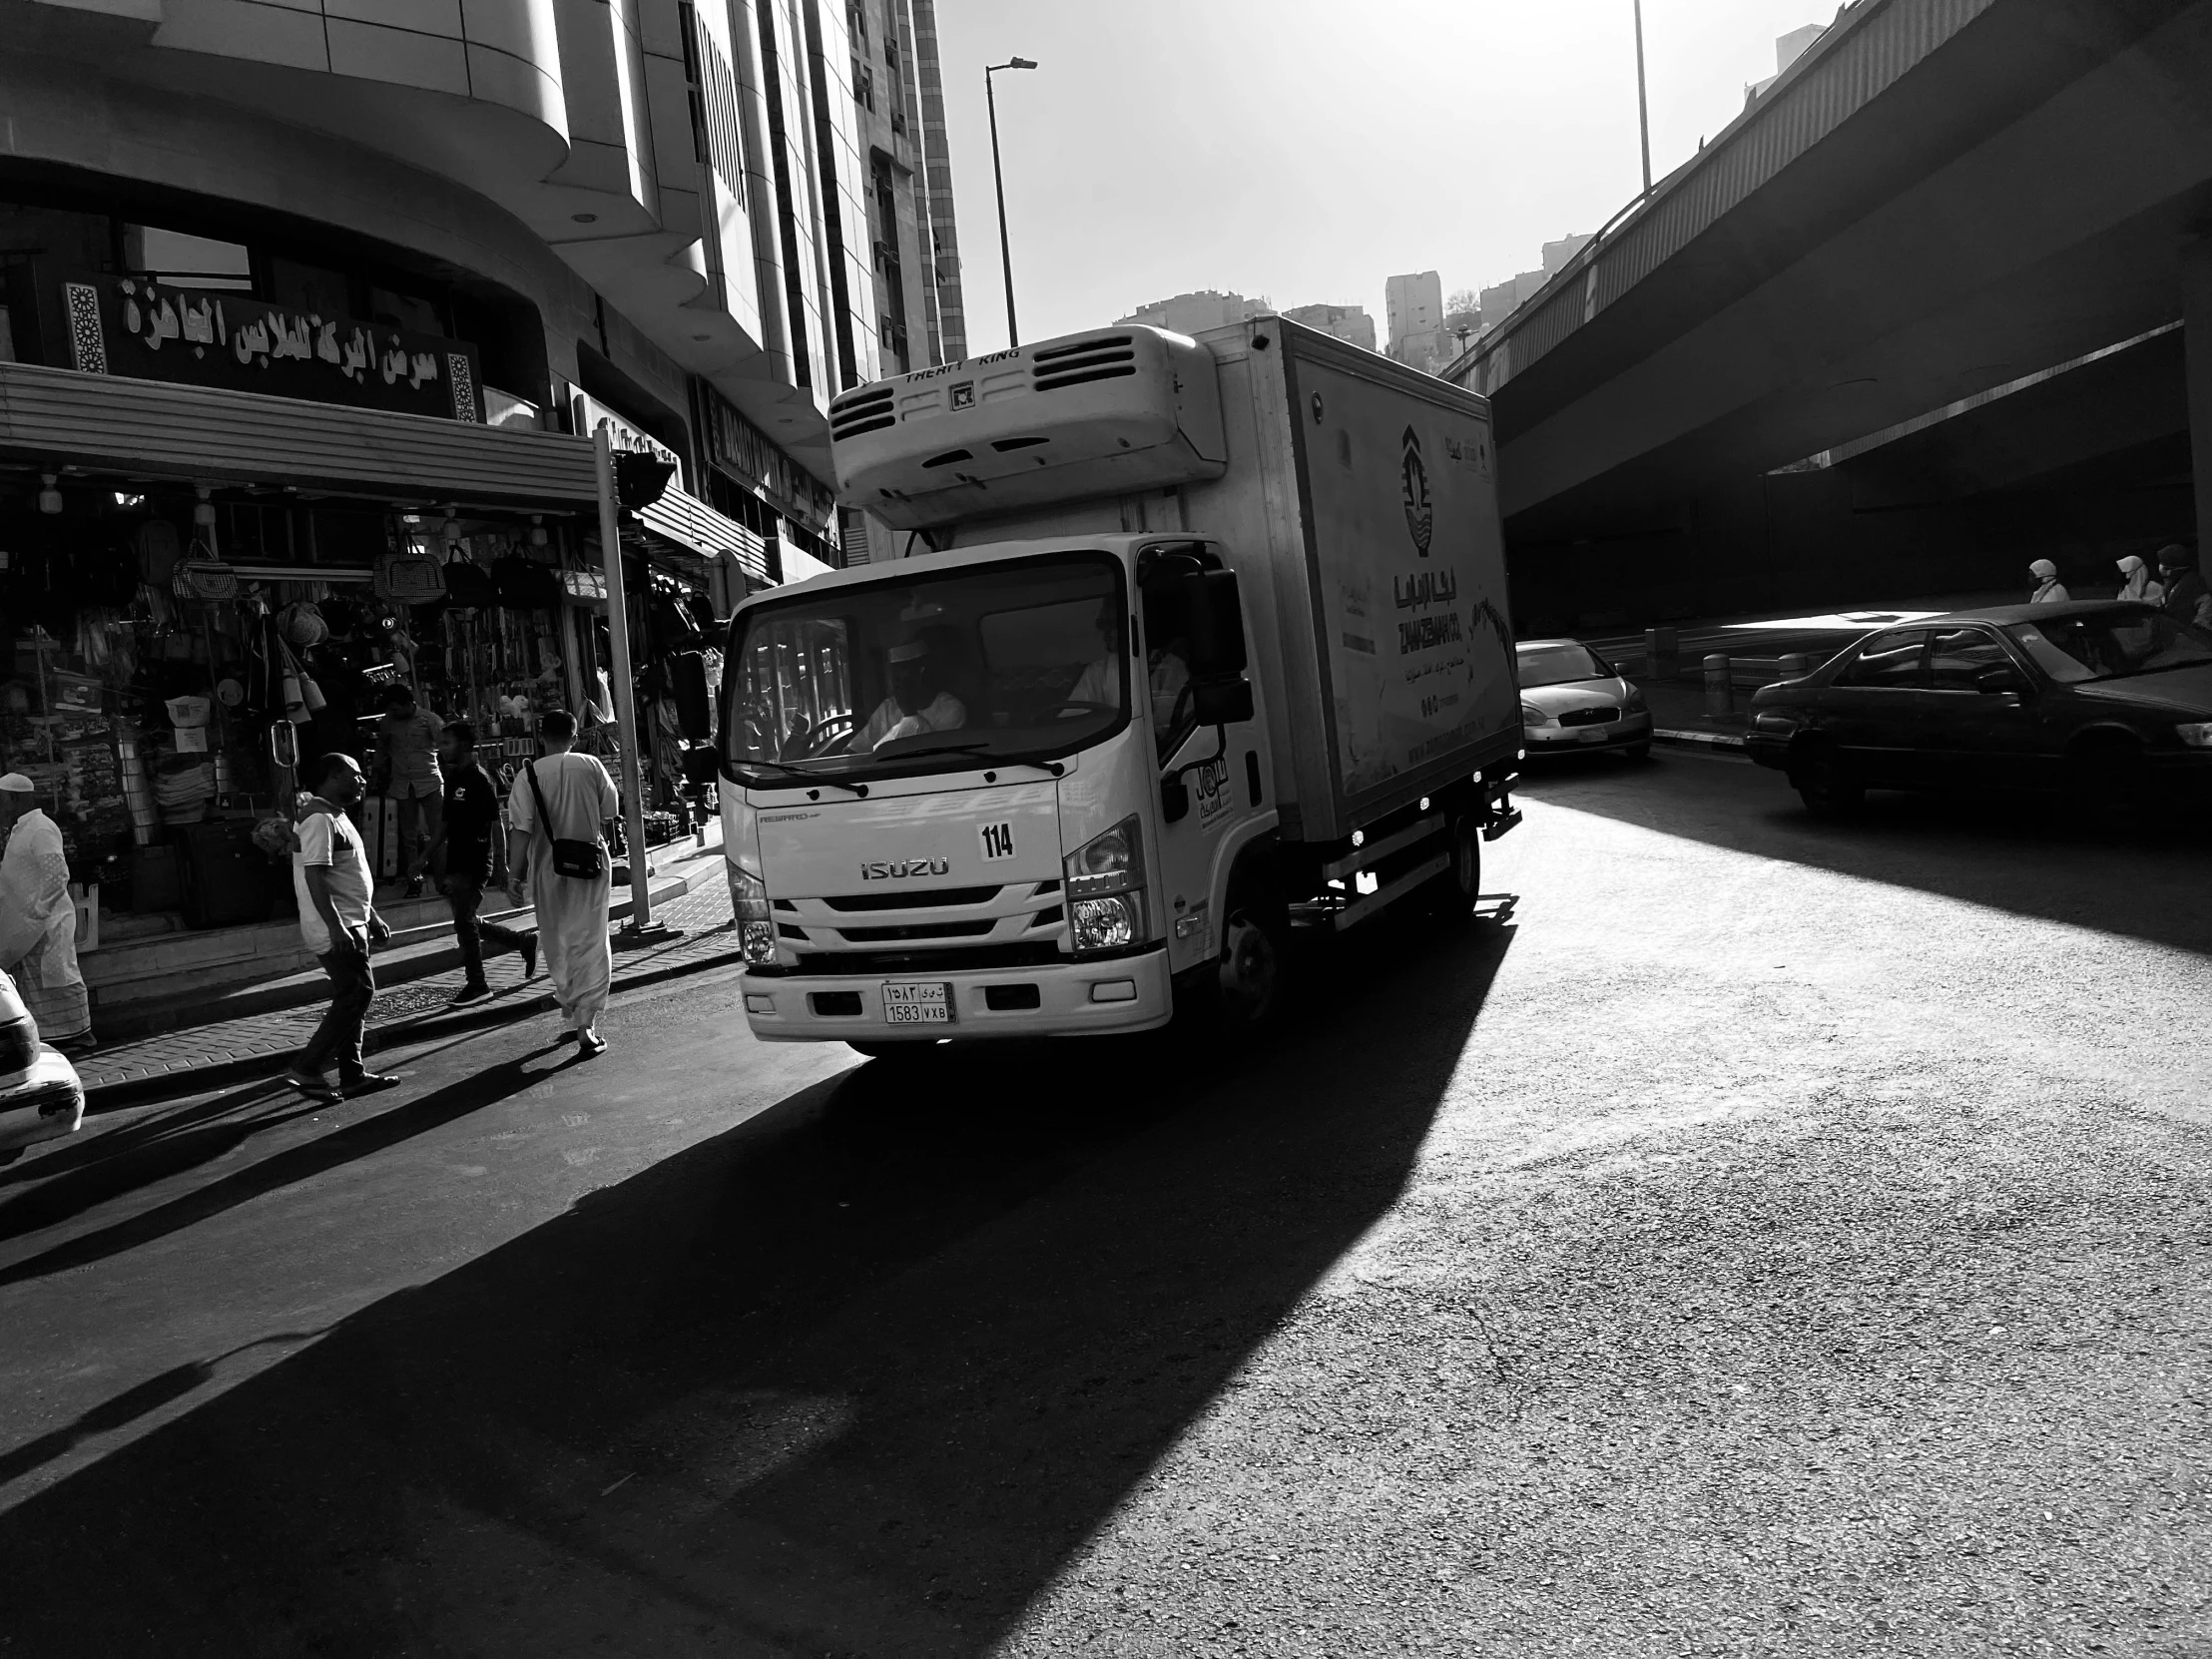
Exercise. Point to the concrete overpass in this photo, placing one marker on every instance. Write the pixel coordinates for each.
(1940, 198)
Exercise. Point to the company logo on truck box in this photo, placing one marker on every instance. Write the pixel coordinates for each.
(1421, 517)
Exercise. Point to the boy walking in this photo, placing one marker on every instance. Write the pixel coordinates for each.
(471, 823)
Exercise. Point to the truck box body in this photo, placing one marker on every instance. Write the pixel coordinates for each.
(1358, 504)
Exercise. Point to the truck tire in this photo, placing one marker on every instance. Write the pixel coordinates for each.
(1248, 978)
(1453, 894)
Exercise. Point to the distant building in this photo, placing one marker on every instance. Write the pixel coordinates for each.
(1557, 254)
(1187, 313)
(1346, 322)
(1413, 306)
(915, 249)
(1786, 50)
(1501, 302)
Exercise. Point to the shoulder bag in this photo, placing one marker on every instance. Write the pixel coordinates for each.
(585, 861)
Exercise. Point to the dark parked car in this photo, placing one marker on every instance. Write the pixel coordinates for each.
(2110, 700)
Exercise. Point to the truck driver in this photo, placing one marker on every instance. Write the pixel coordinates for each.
(917, 703)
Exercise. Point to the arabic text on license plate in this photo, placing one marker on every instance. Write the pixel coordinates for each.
(916, 1003)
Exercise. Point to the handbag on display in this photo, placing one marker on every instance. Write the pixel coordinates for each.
(585, 861)
(205, 579)
(407, 579)
(525, 585)
(468, 584)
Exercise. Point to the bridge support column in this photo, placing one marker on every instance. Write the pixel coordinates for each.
(2196, 323)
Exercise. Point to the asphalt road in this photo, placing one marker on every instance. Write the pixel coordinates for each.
(1781, 1238)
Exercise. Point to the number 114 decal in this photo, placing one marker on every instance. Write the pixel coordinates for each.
(998, 842)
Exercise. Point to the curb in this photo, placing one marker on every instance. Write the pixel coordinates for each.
(138, 1092)
(1701, 740)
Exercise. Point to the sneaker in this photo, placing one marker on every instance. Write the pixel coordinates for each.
(313, 1085)
(590, 1045)
(468, 994)
(370, 1083)
(414, 887)
(529, 950)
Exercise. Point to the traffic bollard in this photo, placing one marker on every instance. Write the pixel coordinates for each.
(1720, 689)
(1796, 666)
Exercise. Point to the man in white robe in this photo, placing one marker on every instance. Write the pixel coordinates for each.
(918, 704)
(578, 801)
(38, 920)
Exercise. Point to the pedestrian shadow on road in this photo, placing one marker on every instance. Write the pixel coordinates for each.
(283, 1169)
(858, 1376)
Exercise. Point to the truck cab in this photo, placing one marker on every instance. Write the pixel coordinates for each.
(991, 792)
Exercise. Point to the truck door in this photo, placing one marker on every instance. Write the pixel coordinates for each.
(1214, 765)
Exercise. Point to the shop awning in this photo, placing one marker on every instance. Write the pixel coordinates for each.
(148, 428)
(691, 523)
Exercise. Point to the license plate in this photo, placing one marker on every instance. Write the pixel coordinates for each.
(917, 1004)
(1595, 733)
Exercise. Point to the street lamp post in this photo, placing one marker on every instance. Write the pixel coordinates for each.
(1643, 108)
(1005, 252)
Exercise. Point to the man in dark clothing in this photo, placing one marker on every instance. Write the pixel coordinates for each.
(469, 834)
(2187, 597)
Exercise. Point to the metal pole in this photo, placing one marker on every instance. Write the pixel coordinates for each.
(998, 178)
(625, 684)
(1643, 108)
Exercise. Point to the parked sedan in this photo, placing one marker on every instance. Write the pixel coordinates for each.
(40, 1096)
(2110, 700)
(1571, 697)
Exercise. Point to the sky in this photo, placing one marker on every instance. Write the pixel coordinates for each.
(1304, 151)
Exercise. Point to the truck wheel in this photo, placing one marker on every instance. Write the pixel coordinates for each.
(1249, 979)
(1452, 894)
(1825, 788)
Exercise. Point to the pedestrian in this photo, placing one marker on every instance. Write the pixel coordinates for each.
(2136, 584)
(557, 816)
(2050, 590)
(38, 920)
(407, 761)
(2188, 598)
(338, 920)
(468, 839)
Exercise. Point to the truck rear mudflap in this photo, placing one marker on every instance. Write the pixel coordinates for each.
(1122, 993)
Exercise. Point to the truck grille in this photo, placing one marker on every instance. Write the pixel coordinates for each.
(1590, 717)
(946, 958)
(867, 411)
(928, 930)
(911, 900)
(937, 920)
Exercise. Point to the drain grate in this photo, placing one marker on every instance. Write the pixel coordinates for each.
(400, 1002)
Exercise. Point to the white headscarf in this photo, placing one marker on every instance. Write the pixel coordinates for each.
(2136, 583)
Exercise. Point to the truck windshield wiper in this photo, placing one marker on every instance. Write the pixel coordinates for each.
(791, 771)
(980, 745)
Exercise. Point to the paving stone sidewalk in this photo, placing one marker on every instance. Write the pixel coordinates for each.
(699, 935)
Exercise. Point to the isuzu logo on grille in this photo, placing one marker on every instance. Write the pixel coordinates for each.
(898, 869)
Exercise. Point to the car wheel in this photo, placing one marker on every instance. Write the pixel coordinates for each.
(1825, 788)
(2108, 776)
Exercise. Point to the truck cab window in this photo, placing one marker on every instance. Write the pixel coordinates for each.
(1166, 632)
(936, 671)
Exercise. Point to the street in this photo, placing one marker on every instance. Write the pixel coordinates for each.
(1781, 1236)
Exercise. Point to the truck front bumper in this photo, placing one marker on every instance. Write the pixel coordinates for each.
(1073, 999)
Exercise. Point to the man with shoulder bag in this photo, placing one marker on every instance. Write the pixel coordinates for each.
(557, 818)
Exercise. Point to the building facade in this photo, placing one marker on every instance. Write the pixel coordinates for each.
(1414, 308)
(1346, 322)
(1187, 313)
(303, 309)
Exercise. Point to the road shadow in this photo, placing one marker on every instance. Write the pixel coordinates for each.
(158, 1157)
(2138, 876)
(856, 1377)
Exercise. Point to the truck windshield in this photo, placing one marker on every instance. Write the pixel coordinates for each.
(950, 669)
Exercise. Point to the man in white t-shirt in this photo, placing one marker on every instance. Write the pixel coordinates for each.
(339, 921)
(918, 703)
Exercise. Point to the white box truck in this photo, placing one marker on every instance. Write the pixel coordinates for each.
(1182, 644)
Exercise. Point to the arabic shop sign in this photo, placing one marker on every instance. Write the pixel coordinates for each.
(142, 331)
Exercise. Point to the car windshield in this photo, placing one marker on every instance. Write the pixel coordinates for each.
(1561, 664)
(953, 669)
(2112, 645)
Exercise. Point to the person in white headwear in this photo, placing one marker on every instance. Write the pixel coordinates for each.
(2136, 583)
(38, 919)
(2050, 590)
(918, 702)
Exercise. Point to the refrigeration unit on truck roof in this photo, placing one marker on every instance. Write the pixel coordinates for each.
(1109, 412)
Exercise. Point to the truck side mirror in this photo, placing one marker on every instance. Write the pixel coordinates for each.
(701, 765)
(1216, 615)
(1221, 701)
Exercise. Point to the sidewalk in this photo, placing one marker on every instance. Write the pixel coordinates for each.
(229, 1052)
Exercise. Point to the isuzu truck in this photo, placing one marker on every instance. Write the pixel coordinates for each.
(1180, 645)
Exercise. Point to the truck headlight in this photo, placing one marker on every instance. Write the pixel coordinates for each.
(758, 940)
(1105, 923)
(1105, 887)
(2198, 735)
(748, 895)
